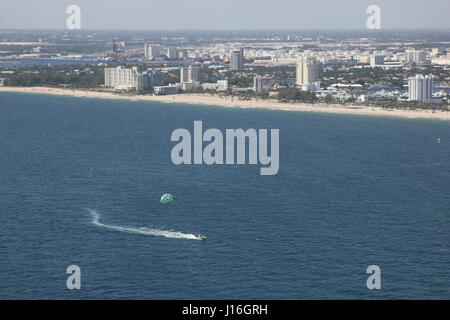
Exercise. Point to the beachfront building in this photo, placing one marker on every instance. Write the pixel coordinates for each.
(262, 84)
(220, 85)
(143, 82)
(148, 79)
(156, 77)
(420, 88)
(162, 90)
(189, 74)
(189, 85)
(307, 73)
(121, 78)
(237, 60)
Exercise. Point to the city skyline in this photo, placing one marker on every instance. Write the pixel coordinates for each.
(236, 15)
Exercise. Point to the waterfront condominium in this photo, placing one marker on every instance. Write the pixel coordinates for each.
(420, 88)
(189, 74)
(262, 84)
(307, 72)
(121, 78)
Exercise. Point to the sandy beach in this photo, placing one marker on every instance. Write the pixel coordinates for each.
(206, 99)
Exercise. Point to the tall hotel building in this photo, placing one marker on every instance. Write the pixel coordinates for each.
(237, 60)
(121, 78)
(420, 88)
(307, 71)
(190, 74)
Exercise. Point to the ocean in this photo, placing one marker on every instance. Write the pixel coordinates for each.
(81, 181)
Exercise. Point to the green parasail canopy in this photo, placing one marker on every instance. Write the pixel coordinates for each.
(166, 198)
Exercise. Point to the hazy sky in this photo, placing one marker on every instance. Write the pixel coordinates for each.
(224, 14)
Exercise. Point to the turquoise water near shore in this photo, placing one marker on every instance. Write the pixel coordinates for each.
(81, 178)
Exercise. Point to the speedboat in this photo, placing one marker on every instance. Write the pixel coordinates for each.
(199, 237)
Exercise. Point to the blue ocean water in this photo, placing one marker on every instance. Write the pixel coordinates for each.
(81, 179)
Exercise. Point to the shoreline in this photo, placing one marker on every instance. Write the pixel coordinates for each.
(205, 99)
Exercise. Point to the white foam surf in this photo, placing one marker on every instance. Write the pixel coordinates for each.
(143, 230)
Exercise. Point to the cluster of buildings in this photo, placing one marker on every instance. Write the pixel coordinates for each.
(128, 79)
(189, 79)
(156, 51)
(120, 78)
(355, 51)
(420, 88)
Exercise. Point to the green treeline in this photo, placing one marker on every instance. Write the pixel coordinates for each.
(77, 76)
(295, 94)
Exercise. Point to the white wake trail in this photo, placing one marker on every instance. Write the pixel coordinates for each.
(145, 231)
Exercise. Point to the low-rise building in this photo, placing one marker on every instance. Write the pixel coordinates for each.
(220, 85)
(189, 85)
(165, 89)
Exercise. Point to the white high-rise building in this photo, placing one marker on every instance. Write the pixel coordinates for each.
(420, 88)
(307, 72)
(152, 51)
(121, 78)
(189, 74)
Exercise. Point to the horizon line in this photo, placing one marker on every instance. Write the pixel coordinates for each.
(235, 30)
